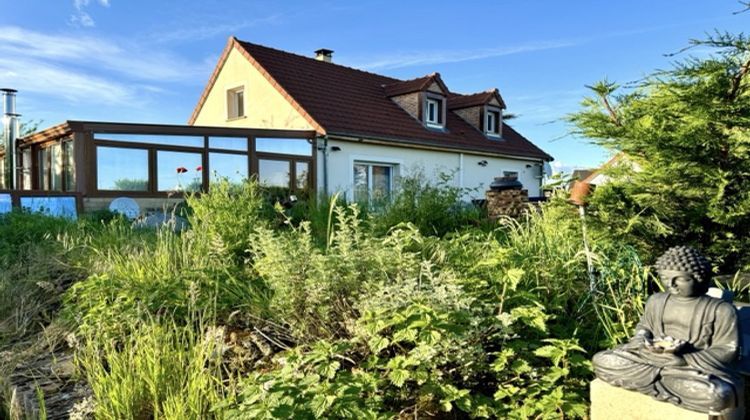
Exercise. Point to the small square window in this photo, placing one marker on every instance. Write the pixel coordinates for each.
(236, 103)
(492, 123)
(433, 112)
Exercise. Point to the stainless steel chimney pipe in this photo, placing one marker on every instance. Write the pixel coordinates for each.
(10, 133)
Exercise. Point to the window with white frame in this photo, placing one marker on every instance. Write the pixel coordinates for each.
(433, 112)
(236, 102)
(492, 123)
(373, 182)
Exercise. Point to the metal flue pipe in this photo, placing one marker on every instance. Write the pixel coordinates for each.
(10, 133)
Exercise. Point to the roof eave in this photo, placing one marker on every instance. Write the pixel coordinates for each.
(397, 141)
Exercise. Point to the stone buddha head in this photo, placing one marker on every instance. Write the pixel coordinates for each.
(684, 271)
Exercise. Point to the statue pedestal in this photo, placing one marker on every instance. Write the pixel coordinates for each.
(611, 402)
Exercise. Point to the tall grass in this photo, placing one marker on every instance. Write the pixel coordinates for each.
(161, 370)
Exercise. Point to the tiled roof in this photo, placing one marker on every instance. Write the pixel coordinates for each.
(475, 99)
(413, 85)
(346, 101)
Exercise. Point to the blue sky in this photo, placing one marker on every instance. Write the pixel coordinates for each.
(147, 61)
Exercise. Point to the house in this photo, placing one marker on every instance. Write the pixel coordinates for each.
(302, 125)
(370, 128)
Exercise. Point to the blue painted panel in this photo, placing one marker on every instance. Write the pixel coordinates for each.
(60, 206)
(5, 203)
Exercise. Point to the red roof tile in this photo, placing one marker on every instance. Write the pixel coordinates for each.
(346, 101)
(414, 85)
(475, 99)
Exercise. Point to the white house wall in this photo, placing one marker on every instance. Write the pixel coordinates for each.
(406, 160)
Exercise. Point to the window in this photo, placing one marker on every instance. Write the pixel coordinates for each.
(373, 183)
(121, 169)
(231, 166)
(26, 170)
(171, 140)
(281, 146)
(179, 171)
(236, 103)
(228, 143)
(434, 112)
(69, 173)
(51, 168)
(492, 123)
(302, 175)
(273, 173)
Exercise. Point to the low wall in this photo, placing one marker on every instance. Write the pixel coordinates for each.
(146, 204)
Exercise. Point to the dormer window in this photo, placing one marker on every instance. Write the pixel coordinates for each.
(433, 112)
(236, 103)
(492, 123)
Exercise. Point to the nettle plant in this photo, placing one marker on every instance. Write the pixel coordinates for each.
(408, 334)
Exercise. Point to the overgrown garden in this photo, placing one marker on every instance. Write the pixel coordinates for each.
(420, 309)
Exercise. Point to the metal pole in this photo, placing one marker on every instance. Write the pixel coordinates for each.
(10, 132)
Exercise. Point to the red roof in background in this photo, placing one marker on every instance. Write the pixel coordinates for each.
(351, 102)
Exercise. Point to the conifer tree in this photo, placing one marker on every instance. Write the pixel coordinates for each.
(682, 137)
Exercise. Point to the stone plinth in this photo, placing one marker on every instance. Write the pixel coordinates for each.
(506, 203)
(610, 402)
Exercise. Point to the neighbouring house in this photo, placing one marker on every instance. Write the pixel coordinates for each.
(302, 125)
(370, 128)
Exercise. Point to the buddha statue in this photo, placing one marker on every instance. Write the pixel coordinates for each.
(686, 344)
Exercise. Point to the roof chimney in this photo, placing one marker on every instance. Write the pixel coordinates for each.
(324, 54)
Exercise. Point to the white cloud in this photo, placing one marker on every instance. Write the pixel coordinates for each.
(143, 63)
(415, 58)
(30, 75)
(188, 32)
(80, 17)
(91, 70)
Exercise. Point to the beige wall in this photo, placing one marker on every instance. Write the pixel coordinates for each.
(265, 107)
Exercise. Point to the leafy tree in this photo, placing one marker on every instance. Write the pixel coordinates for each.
(684, 134)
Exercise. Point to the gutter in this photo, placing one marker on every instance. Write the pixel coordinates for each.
(323, 149)
(415, 145)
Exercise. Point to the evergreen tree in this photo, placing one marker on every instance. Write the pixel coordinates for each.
(683, 136)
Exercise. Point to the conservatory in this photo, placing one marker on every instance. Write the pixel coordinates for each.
(84, 165)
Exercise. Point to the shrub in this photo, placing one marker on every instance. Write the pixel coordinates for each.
(434, 208)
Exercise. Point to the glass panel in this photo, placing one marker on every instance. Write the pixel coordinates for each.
(5, 203)
(26, 170)
(56, 163)
(381, 182)
(52, 206)
(121, 169)
(43, 169)
(173, 140)
(361, 182)
(179, 171)
(224, 165)
(273, 173)
(284, 146)
(69, 166)
(229, 143)
(302, 173)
